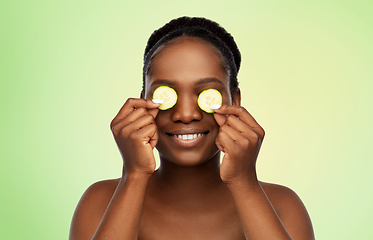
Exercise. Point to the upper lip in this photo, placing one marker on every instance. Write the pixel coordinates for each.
(187, 131)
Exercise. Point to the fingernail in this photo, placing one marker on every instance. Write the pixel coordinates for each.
(157, 101)
(215, 106)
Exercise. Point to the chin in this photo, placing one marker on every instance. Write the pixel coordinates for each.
(189, 158)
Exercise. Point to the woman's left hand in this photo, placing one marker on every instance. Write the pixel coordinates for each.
(240, 138)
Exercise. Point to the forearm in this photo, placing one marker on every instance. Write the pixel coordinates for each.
(258, 218)
(122, 216)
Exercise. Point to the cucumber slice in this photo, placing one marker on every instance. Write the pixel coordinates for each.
(167, 94)
(209, 97)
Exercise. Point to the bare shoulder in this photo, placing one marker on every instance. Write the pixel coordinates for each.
(290, 209)
(280, 195)
(91, 207)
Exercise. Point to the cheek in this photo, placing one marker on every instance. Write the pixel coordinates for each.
(162, 118)
(227, 98)
(148, 94)
(146, 89)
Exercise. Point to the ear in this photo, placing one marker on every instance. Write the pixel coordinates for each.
(236, 99)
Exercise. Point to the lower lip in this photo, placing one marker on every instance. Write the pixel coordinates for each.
(189, 142)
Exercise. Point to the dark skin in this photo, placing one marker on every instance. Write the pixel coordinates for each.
(191, 196)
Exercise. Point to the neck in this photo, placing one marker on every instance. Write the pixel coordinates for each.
(186, 180)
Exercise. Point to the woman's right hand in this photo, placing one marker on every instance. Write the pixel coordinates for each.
(136, 135)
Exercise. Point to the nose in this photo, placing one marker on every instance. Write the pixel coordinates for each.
(186, 110)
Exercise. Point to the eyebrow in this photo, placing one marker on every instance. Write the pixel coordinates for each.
(207, 80)
(201, 81)
(163, 82)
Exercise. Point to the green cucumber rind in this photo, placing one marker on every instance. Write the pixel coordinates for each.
(203, 94)
(165, 106)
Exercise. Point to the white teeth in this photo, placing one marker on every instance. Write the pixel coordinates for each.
(188, 136)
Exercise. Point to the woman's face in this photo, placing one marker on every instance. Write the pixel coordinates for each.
(189, 66)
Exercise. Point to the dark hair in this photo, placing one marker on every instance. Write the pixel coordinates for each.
(204, 29)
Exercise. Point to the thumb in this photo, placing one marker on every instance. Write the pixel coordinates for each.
(153, 112)
(220, 118)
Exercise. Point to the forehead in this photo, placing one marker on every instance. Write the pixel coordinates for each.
(185, 60)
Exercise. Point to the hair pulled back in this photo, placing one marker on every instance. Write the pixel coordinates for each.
(202, 28)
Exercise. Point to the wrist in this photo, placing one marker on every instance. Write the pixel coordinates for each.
(136, 176)
(247, 182)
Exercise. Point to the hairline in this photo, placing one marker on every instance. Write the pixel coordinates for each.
(181, 39)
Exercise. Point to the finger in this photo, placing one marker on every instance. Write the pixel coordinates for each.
(154, 112)
(232, 133)
(243, 115)
(218, 144)
(220, 118)
(130, 105)
(140, 112)
(133, 116)
(244, 129)
(225, 141)
(125, 131)
(141, 122)
(147, 134)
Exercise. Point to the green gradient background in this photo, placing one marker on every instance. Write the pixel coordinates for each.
(68, 66)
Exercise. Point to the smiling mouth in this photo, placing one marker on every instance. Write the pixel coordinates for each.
(189, 136)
